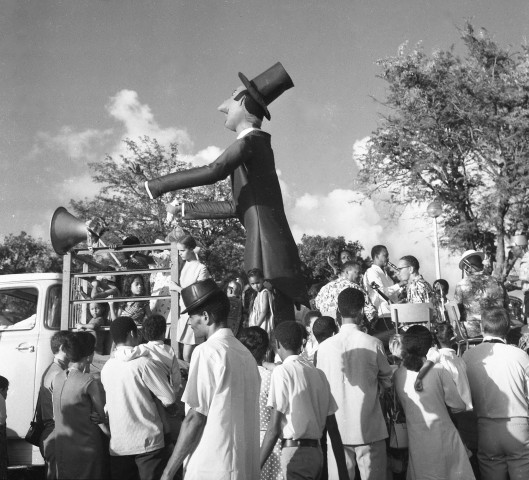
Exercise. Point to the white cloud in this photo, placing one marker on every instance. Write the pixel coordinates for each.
(77, 187)
(75, 144)
(340, 212)
(139, 121)
(203, 157)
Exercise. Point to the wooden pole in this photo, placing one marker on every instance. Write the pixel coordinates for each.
(175, 297)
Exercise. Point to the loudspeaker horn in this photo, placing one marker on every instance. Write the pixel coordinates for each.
(66, 231)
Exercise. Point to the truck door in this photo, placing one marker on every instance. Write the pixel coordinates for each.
(18, 351)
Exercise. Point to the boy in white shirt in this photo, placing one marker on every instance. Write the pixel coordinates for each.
(302, 405)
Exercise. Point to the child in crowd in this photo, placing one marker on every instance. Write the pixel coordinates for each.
(133, 286)
(163, 355)
(302, 405)
(324, 327)
(235, 318)
(160, 282)
(99, 313)
(311, 345)
(256, 340)
(4, 386)
(447, 357)
(261, 310)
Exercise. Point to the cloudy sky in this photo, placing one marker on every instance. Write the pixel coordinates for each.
(78, 76)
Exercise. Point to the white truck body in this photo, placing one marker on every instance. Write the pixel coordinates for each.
(25, 352)
(33, 307)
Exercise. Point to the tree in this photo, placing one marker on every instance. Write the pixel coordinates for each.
(24, 254)
(314, 252)
(457, 131)
(124, 204)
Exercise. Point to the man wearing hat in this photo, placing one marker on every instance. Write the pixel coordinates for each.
(257, 200)
(219, 437)
(477, 292)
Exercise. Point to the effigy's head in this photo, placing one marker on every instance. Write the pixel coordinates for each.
(249, 102)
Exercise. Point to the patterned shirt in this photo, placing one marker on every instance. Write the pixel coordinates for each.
(327, 299)
(475, 293)
(418, 290)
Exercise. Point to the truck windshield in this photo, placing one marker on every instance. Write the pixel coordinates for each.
(18, 308)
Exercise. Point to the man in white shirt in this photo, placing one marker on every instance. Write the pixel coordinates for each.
(219, 438)
(376, 273)
(358, 371)
(302, 405)
(498, 375)
(137, 439)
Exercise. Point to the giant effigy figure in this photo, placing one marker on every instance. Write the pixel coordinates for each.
(257, 200)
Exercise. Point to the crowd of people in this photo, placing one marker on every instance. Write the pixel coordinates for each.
(323, 396)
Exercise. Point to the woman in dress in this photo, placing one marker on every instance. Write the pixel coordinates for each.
(192, 272)
(256, 340)
(435, 447)
(81, 448)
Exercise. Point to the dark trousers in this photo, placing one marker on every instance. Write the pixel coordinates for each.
(146, 466)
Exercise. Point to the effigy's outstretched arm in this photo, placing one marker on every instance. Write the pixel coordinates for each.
(223, 166)
(202, 210)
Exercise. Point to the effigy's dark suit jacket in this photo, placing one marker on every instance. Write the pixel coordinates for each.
(257, 203)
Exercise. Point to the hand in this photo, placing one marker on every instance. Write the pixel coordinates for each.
(97, 419)
(418, 385)
(137, 170)
(173, 210)
(174, 287)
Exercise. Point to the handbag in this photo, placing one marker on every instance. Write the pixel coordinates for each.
(36, 426)
(398, 435)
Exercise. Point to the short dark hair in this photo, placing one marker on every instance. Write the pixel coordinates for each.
(4, 382)
(187, 241)
(416, 342)
(77, 346)
(154, 327)
(255, 272)
(444, 284)
(121, 327)
(217, 306)
(58, 339)
(411, 261)
(445, 333)
(495, 321)
(375, 251)
(289, 334)
(256, 340)
(88, 341)
(350, 302)
(308, 315)
(350, 264)
(323, 328)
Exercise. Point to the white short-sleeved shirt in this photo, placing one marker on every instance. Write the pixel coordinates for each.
(302, 393)
(224, 384)
(448, 358)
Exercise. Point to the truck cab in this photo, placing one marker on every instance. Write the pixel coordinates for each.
(33, 307)
(30, 313)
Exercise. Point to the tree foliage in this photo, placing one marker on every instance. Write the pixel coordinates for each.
(126, 207)
(24, 254)
(457, 131)
(315, 251)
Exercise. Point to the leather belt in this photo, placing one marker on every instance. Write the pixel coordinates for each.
(302, 442)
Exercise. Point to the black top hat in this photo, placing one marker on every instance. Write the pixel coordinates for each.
(265, 88)
(196, 294)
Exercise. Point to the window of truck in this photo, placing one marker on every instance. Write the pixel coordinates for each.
(52, 318)
(18, 308)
